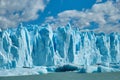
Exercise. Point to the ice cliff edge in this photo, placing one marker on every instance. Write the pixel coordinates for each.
(41, 46)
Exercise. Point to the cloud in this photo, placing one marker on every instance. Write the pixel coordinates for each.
(97, 1)
(12, 12)
(106, 15)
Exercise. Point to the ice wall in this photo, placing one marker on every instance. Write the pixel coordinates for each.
(41, 46)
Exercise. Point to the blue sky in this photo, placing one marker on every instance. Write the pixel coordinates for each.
(96, 15)
(56, 6)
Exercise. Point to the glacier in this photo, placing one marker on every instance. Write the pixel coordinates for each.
(32, 46)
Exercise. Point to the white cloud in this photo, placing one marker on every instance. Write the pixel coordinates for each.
(97, 1)
(106, 15)
(13, 12)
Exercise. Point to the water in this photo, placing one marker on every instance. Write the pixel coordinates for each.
(67, 76)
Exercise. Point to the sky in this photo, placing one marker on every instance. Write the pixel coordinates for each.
(95, 15)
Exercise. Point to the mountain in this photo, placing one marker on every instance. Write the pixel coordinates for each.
(30, 46)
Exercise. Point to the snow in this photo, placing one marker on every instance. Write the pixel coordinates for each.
(27, 47)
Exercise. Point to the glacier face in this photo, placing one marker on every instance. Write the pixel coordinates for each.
(41, 46)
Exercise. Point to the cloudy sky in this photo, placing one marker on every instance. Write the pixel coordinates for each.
(96, 15)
